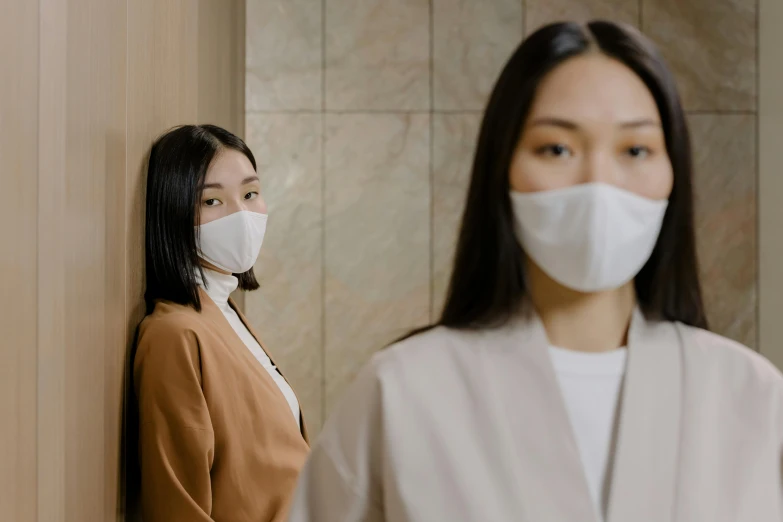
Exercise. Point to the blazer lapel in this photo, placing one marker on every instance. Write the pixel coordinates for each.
(258, 340)
(211, 311)
(250, 328)
(552, 484)
(645, 467)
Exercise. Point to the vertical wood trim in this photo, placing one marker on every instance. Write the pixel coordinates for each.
(238, 75)
(19, 47)
(52, 231)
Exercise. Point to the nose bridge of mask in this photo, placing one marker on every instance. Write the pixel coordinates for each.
(608, 202)
(595, 239)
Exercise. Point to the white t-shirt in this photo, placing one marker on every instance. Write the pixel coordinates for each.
(219, 287)
(591, 384)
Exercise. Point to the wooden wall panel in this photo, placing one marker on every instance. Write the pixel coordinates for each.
(52, 232)
(162, 92)
(220, 101)
(87, 86)
(84, 271)
(140, 130)
(18, 255)
(112, 36)
(94, 256)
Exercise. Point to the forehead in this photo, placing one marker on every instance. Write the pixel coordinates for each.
(594, 87)
(229, 164)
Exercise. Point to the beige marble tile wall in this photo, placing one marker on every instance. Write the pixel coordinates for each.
(363, 115)
(770, 182)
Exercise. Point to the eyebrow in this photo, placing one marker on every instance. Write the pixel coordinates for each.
(249, 179)
(570, 125)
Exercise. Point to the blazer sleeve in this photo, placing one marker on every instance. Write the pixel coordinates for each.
(176, 441)
(342, 477)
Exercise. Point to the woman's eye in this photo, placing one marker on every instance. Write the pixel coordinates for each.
(251, 195)
(212, 202)
(556, 150)
(638, 152)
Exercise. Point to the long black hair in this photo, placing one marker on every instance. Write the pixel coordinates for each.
(175, 177)
(487, 284)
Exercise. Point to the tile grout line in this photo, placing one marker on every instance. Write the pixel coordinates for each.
(127, 373)
(432, 162)
(323, 114)
(641, 15)
(725, 112)
(699, 112)
(757, 172)
(38, 280)
(523, 17)
(364, 111)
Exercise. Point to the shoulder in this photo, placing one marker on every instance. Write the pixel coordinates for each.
(438, 341)
(167, 370)
(434, 346)
(412, 366)
(169, 321)
(170, 334)
(418, 351)
(402, 367)
(737, 366)
(170, 316)
(715, 350)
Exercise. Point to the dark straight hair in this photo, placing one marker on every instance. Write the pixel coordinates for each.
(487, 284)
(175, 177)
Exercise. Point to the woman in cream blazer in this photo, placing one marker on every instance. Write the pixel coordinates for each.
(571, 376)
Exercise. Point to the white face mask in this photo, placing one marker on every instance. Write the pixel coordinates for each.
(588, 237)
(232, 242)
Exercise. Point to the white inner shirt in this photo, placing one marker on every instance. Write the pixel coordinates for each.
(219, 287)
(591, 384)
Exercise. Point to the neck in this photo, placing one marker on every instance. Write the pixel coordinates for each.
(218, 285)
(207, 264)
(586, 322)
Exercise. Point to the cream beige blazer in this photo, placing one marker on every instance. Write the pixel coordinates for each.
(471, 426)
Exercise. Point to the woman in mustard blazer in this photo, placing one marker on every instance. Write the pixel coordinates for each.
(221, 434)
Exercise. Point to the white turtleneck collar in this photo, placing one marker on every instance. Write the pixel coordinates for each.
(217, 286)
